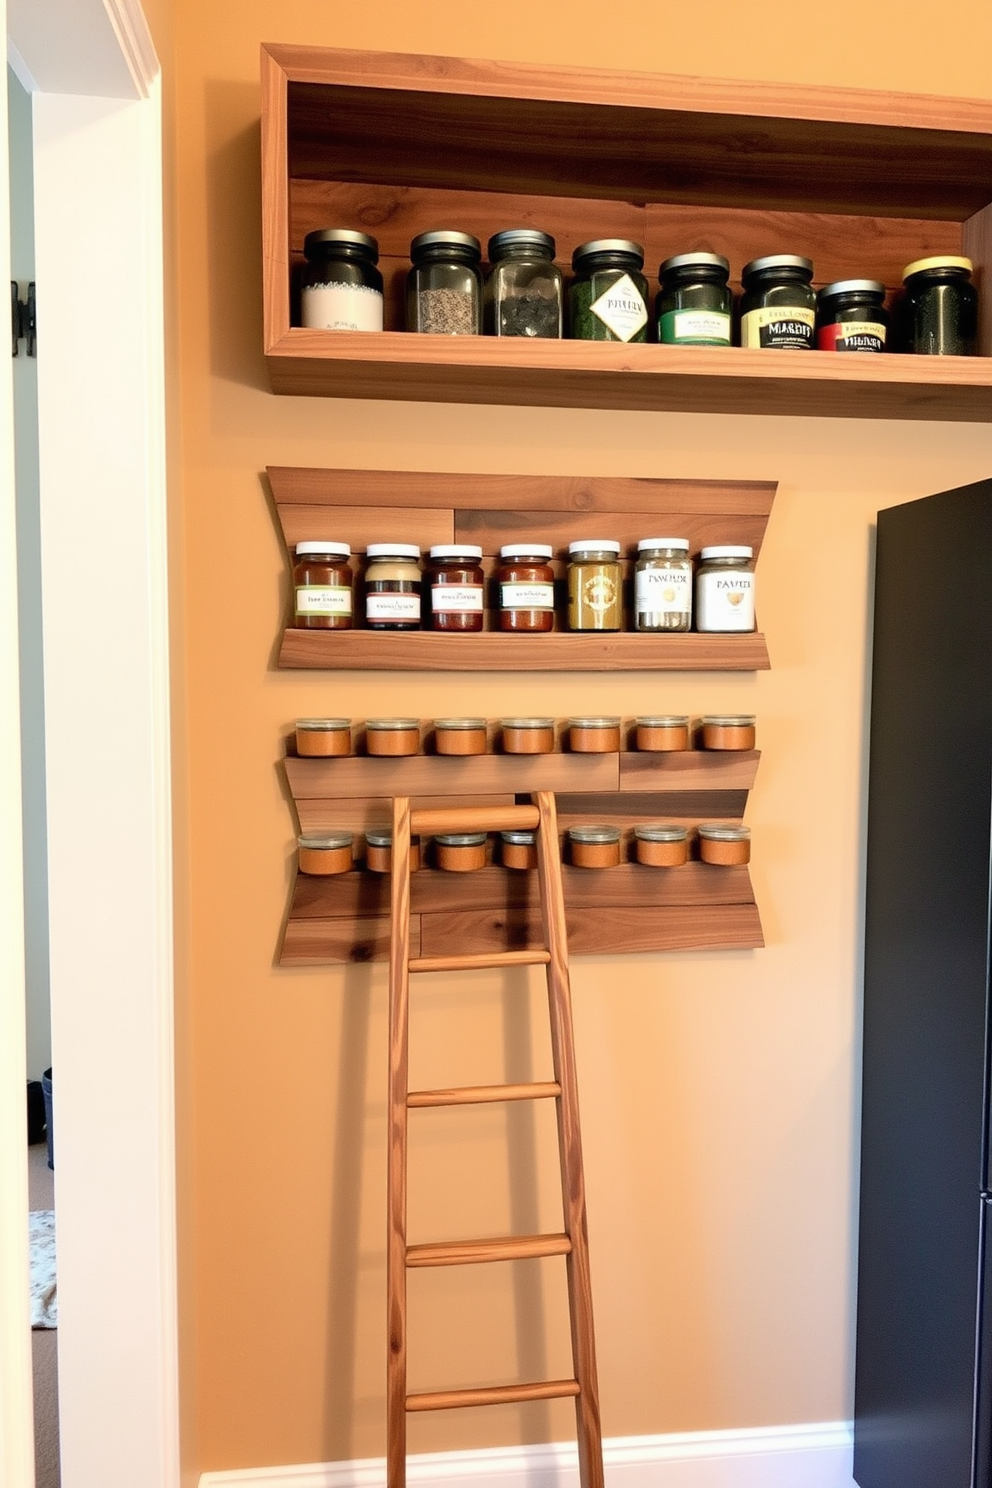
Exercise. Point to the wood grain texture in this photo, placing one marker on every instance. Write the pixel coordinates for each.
(480, 1252)
(504, 959)
(484, 774)
(471, 1095)
(425, 651)
(337, 940)
(492, 1395)
(624, 931)
(360, 813)
(396, 1315)
(275, 203)
(353, 525)
(976, 243)
(689, 770)
(474, 819)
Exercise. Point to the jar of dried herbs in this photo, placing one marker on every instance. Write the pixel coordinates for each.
(695, 302)
(595, 585)
(444, 287)
(524, 294)
(608, 299)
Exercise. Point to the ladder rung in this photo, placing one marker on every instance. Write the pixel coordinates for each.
(470, 1095)
(475, 1252)
(493, 1395)
(428, 822)
(536, 957)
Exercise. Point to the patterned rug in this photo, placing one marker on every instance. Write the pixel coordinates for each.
(44, 1295)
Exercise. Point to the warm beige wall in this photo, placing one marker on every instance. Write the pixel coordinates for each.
(719, 1090)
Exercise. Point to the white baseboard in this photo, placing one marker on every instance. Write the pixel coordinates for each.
(815, 1456)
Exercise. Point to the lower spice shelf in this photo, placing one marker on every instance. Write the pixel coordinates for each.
(344, 918)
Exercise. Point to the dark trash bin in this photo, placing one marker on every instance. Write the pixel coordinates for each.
(46, 1087)
(36, 1113)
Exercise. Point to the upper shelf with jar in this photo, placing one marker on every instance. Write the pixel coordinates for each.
(395, 146)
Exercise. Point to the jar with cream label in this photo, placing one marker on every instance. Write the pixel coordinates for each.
(526, 584)
(725, 589)
(392, 586)
(663, 584)
(323, 586)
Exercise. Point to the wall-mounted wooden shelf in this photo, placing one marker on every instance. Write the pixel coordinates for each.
(362, 506)
(345, 918)
(861, 182)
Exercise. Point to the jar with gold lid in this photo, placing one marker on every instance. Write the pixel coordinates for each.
(663, 584)
(727, 731)
(726, 844)
(661, 844)
(392, 586)
(595, 585)
(594, 846)
(323, 585)
(460, 735)
(323, 736)
(461, 852)
(662, 732)
(322, 853)
(594, 735)
(518, 849)
(528, 735)
(379, 850)
(392, 736)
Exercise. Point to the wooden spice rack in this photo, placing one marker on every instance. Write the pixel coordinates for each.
(861, 182)
(363, 506)
(345, 918)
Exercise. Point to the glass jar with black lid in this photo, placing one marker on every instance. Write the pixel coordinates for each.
(778, 306)
(851, 316)
(939, 313)
(340, 286)
(444, 287)
(608, 298)
(524, 294)
(694, 304)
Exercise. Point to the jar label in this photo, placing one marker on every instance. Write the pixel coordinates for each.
(323, 599)
(515, 596)
(785, 326)
(621, 308)
(725, 601)
(698, 327)
(852, 335)
(456, 599)
(341, 307)
(392, 607)
(665, 591)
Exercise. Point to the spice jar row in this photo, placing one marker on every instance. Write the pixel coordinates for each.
(524, 294)
(329, 738)
(654, 844)
(669, 592)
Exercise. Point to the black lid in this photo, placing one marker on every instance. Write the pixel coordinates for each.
(519, 237)
(463, 244)
(340, 237)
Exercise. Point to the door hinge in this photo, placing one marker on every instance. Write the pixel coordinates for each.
(23, 320)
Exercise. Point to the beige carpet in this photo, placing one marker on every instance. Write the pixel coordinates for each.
(44, 1343)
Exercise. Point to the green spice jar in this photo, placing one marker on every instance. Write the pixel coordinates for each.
(595, 585)
(524, 294)
(851, 316)
(940, 311)
(694, 304)
(608, 299)
(778, 307)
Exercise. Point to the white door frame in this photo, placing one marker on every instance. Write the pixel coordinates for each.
(97, 166)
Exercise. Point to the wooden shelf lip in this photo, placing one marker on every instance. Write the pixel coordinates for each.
(427, 651)
(396, 365)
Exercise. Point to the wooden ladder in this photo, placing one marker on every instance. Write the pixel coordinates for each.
(572, 1243)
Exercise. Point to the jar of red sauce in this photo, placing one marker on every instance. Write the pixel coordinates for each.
(457, 587)
(526, 583)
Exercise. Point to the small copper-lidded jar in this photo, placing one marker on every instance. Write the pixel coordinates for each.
(460, 735)
(461, 852)
(661, 844)
(727, 731)
(594, 735)
(325, 852)
(662, 733)
(323, 736)
(594, 847)
(528, 735)
(518, 849)
(379, 850)
(725, 843)
(393, 736)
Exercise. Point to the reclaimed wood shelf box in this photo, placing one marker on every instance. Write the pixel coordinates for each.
(363, 506)
(861, 182)
(345, 918)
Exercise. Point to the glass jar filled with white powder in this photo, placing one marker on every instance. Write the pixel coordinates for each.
(341, 288)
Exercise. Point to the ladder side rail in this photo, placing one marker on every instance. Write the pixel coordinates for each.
(399, 986)
(588, 1429)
